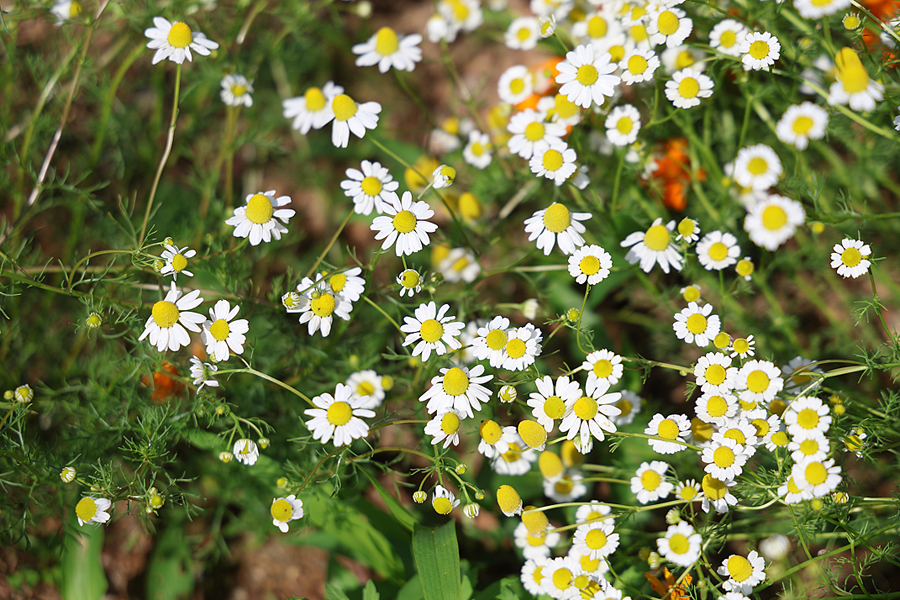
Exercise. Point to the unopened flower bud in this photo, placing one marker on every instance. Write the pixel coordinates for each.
(420, 496)
(460, 469)
(282, 482)
(263, 443)
(572, 315)
(158, 264)
(226, 457)
(653, 560)
(93, 321)
(479, 495)
(387, 382)
(530, 308)
(67, 474)
(471, 510)
(169, 241)
(24, 393)
(508, 394)
(156, 501)
(673, 517)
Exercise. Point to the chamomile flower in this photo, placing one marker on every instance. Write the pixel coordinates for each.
(718, 250)
(258, 219)
(745, 269)
(688, 489)
(714, 373)
(339, 416)
(285, 510)
(221, 332)
(801, 123)
(800, 376)
(513, 456)
(760, 50)
(668, 25)
(638, 65)
(695, 325)
(649, 482)
(523, 346)
(367, 384)
(727, 36)
(743, 573)
(444, 427)
(405, 223)
(347, 284)
(629, 406)
(443, 177)
(236, 90)
(716, 494)
(203, 373)
(851, 258)
(410, 282)
(176, 261)
(814, 447)
(65, 10)
(535, 546)
(515, 84)
(458, 389)
(176, 40)
(319, 305)
(530, 131)
(555, 225)
(681, 545)
(604, 365)
(533, 574)
(759, 380)
(766, 425)
(853, 85)
(622, 125)
(596, 539)
(558, 577)
(246, 452)
(588, 415)
(792, 493)
(716, 408)
(597, 27)
(819, 477)
(724, 458)
(688, 230)
(807, 417)
(653, 246)
(567, 488)
(387, 49)
(773, 221)
(548, 404)
(590, 264)
(443, 500)
(818, 9)
(672, 428)
(522, 34)
(293, 302)
(491, 341)
(687, 87)
(757, 167)
(681, 57)
(478, 150)
(170, 316)
(587, 77)
(368, 187)
(462, 14)
(312, 110)
(349, 116)
(92, 510)
(432, 330)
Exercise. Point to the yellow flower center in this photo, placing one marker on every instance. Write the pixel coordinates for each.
(165, 314)
(757, 382)
(478, 149)
(727, 39)
(597, 27)
(564, 486)
(808, 418)
(523, 34)
(689, 87)
(179, 262)
(715, 374)
(339, 413)
(442, 506)
(741, 346)
(517, 85)
(851, 257)
(563, 108)
(431, 331)
(657, 238)
(721, 340)
(456, 382)
(386, 42)
(650, 479)
(532, 433)
(409, 279)
(716, 406)
(282, 510)
(668, 429)
(688, 493)
(550, 464)
(585, 408)
(637, 64)
(365, 389)
(589, 265)
(700, 430)
(554, 407)
(761, 426)
(238, 90)
(337, 282)
(516, 348)
(713, 488)
(809, 447)
(679, 544)
(723, 456)
(587, 75)
(780, 439)
(537, 540)
(371, 186)
(759, 49)
(74, 10)
(538, 575)
(86, 509)
(259, 209)
(737, 435)
(667, 22)
(603, 368)
(450, 423)
(220, 330)
(557, 217)
(691, 293)
(850, 71)
(617, 52)
(696, 323)
(774, 218)
(513, 454)
(405, 221)
(562, 578)
(802, 125)
(624, 406)
(638, 33)
(322, 305)
(490, 432)
(552, 161)
(739, 568)
(534, 132)
(496, 339)
(344, 107)
(315, 99)
(624, 125)
(180, 35)
(595, 539)
(718, 251)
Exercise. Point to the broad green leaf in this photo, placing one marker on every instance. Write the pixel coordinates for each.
(398, 511)
(412, 590)
(437, 560)
(82, 574)
(369, 592)
(333, 593)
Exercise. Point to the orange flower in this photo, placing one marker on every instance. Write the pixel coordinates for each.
(673, 171)
(668, 590)
(882, 8)
(164, 386)
(545, 75)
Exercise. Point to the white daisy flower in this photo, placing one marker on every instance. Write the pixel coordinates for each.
(743, 573)
(818, 9)
(695, 325)
(203, 373)
(688, 231)
(444, 427)
(638, 66)
(814, 447)
(819, 477)
(166, 325)
(387, 49)
(649, 482)
(530, 131)
(587, 77)
(681, 545)
(558, 577)
(714, 373)
(555, 161)
(533, 574)
(807, 417)
(176, 261)
(367, 187)
(629, 406)
(221, 333)
(716, 408)
(440, 29)
(687, 87)
(351, 117)
(596, 540)
(622, 125)
(853, 85)
(592, 512)
(672, 428)
(718, 250)
(319, 305)
(560, 110)
(258, 219)
(801, 123)
(724, 458)
(348, 284)
(312, 110)
(766, 425)
(792, 493)
(588, 415)
(246, 451)
(368, 385)
(404, 224)
(741, 431)
(491, 341)
(462, 14)
(603, 365)
(478, 150)
(775, 548)
(668, 25)
(760, 50)
(340, 416)
(284, 510)
(716, 494)
(851, 258)
(292, 302)
(590, 264)
(745, 268)
(556, 225)
(523, 346)
(773, 221)
(410, 282)
(64, 10)
(176, 40)
(760, 381)
(757, 167)
(515, 84)
(535, 546)
(443, 176)
(567, 488)
(727, 35)
(432, 330)
(548, 404)
(689, 490)
(443, 500)
(653, 246)
(92, 510)
(522, 34)
(597, 27)
(458, 389)
(682, 57)
(236, 90)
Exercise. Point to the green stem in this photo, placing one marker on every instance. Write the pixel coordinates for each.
(330, 244)
(386, 316)
(269, 378)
